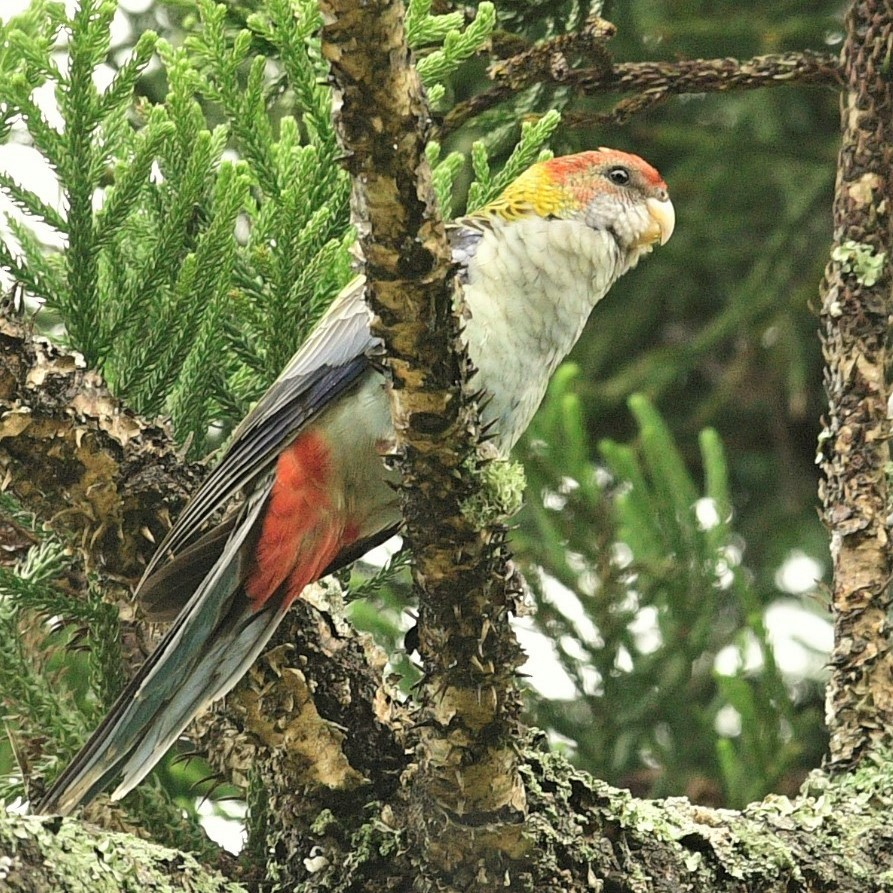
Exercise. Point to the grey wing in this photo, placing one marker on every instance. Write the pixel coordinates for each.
(465, 235)
(331, 360)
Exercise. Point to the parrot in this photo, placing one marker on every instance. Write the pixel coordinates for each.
(307, 459)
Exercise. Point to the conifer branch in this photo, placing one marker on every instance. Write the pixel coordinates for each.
(467, 797)
(854, 448)
(652, 82)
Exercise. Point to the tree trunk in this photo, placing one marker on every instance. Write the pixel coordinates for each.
(360, 792)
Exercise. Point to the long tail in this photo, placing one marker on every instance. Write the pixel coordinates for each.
(214, 640)
(244, 574)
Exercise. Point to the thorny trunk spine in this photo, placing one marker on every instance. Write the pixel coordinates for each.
(855, 453)
(467, 802)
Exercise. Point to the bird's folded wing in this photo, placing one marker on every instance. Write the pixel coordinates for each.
(334, 357)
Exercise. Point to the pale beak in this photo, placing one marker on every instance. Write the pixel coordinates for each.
(663, 217)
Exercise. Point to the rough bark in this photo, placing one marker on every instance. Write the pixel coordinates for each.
(652, 82)
(65, 441)
(467, 809)
(854, 447)
(837, 836)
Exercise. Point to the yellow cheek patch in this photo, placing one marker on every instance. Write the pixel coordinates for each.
(534, 193)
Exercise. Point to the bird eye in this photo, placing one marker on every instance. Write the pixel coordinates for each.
(619, 176)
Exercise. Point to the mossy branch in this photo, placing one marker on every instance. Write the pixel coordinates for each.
(854, 448)
(68, 856)
(652, 82)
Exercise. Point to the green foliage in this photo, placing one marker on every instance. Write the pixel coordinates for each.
(364, 586)
(443, 173)
(28, 597)
(31, 600)
(534, 136)
(197, 276)
(456, 45)
(487, 184)
(378, 599)
(656, 566)
(55, 696)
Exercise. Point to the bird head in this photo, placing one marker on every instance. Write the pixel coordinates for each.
(607, 189)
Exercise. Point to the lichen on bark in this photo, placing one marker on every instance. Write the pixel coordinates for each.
(469, 799)
(854, 447)
(67, 856)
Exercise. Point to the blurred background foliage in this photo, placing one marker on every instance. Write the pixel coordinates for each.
(670, 538)
(716, 331)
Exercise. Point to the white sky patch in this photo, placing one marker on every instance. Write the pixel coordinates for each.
(798, 573)
(224, 822)
(569, 604)
(18, 806)
(623, 661)
(733, 552)
(44, 98)
(646, 630)
(103, 75)
(29, 169)
(560, 742)
(801, 638)
(543, 669)
(10, 8)
(120, 31)
(568, 484)
(707, 513)
(727, 722)
(381, 555)
(725, 576)
(593, 686)
(622, 555)
(553, 501)
(136, 6)
(735, 659)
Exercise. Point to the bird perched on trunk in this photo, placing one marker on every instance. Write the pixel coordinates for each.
(316, 494)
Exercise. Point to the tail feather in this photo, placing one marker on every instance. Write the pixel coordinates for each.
(220, 668)
(164, 593)
(245, 574)
(201, 657)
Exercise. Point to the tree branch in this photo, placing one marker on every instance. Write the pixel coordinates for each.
(855, 314)
(468, 799)
(654, 82)
(66, 856)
